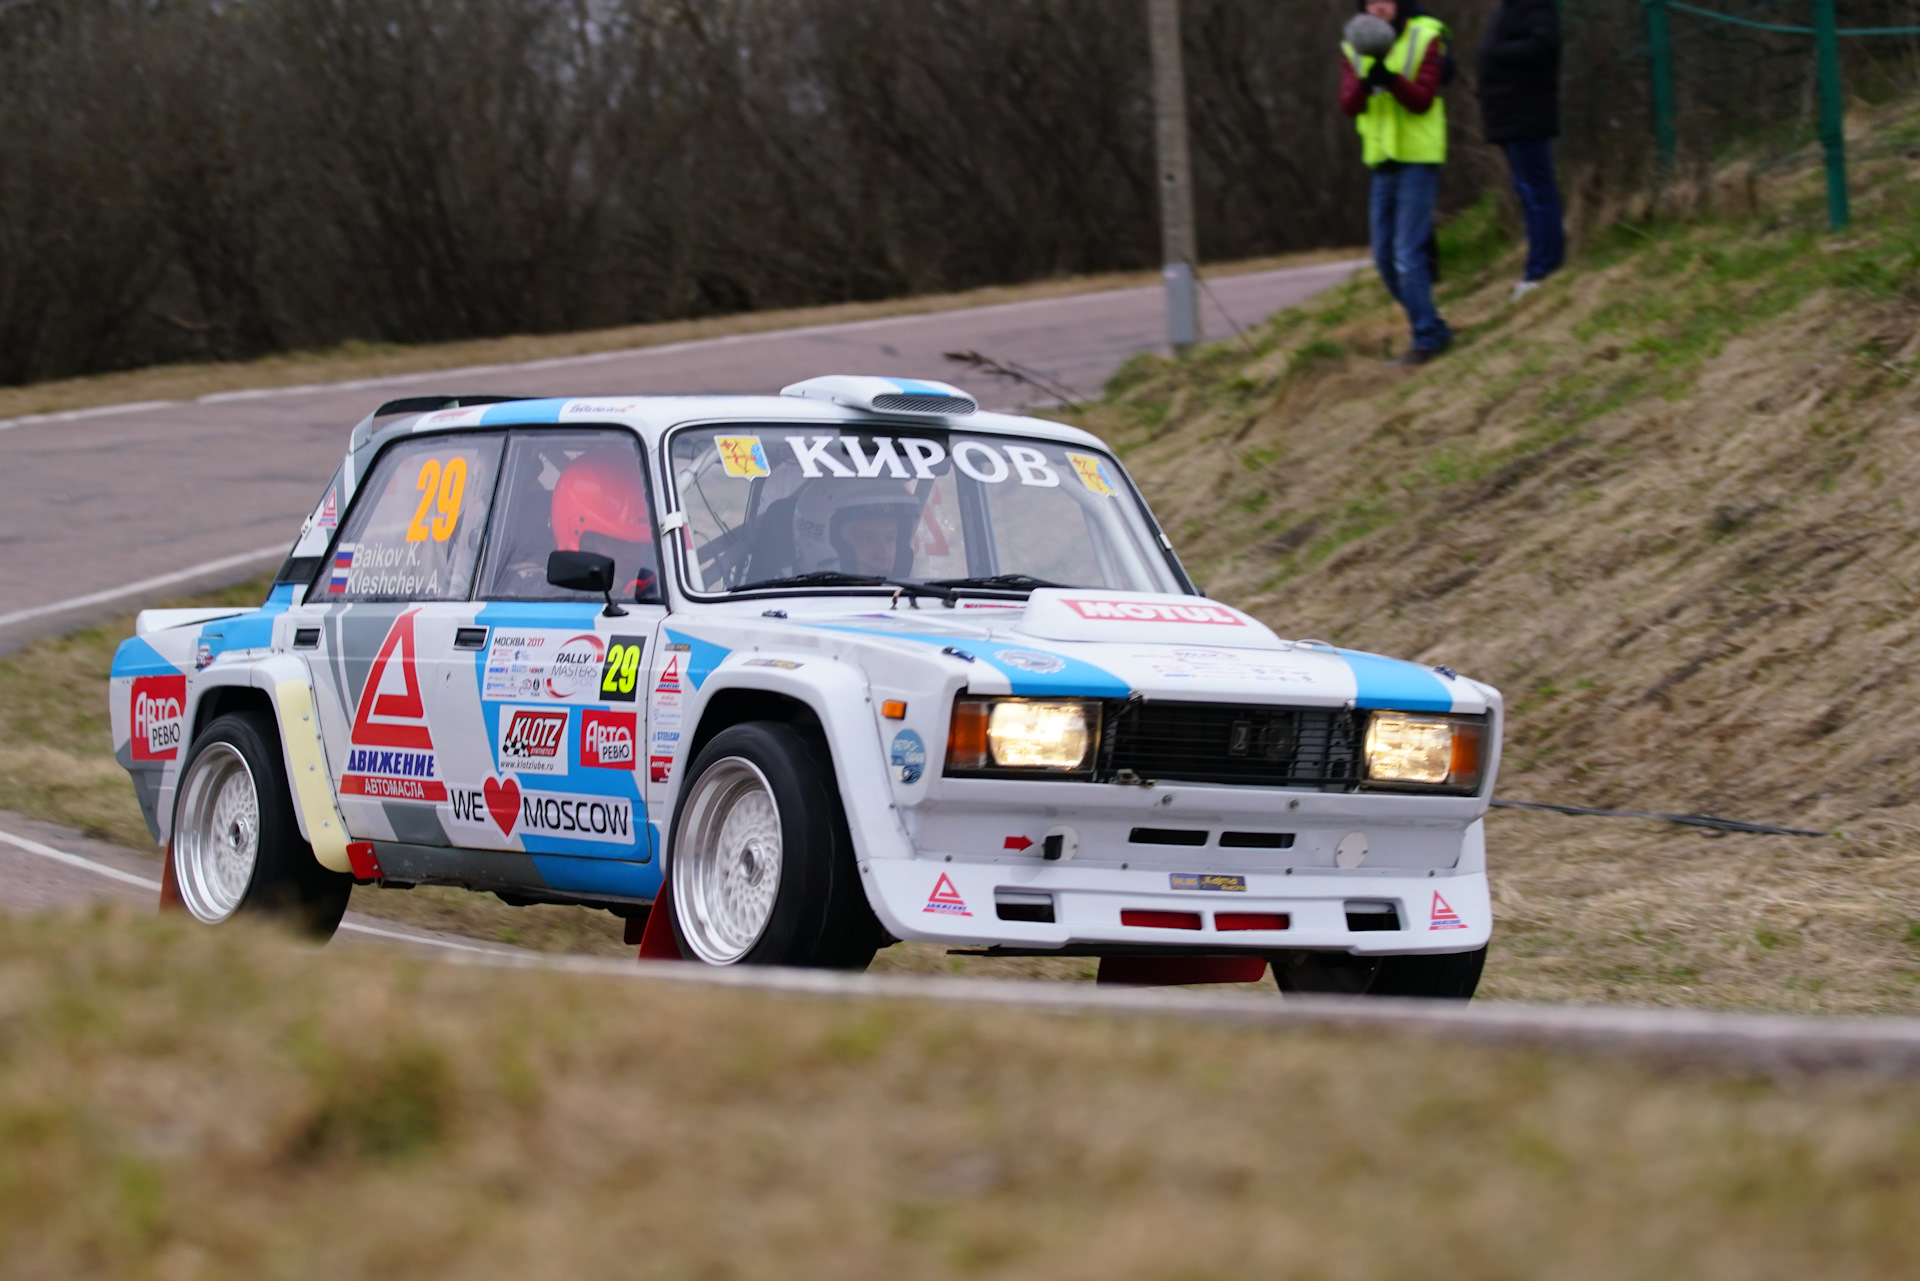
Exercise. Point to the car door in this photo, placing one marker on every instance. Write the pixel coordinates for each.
(389, 619)
(559, 683)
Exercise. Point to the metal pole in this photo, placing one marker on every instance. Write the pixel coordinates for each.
(1177, 249)
(1833, 134)
(1660, 54)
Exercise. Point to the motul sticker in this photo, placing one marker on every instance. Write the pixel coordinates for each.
(159, 716)
(391, 755)
(608, 739)
(533, 740)
(945, 899)
(1135, 611)
(1442, 916)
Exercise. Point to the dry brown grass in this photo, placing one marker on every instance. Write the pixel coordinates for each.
(179, 1104)
(356, 360)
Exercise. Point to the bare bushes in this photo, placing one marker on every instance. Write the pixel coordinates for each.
(222, 178)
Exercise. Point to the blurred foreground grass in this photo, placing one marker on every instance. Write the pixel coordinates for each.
(188, 1105)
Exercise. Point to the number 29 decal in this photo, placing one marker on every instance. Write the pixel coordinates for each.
(442, 486)
(620, 674)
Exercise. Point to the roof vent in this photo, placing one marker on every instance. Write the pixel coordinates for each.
(886, 395)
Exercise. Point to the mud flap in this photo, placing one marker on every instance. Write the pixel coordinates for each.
(170, 885)
(656, 940)
(1171, 971)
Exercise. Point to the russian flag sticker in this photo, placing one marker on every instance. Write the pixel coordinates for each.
(342, 564)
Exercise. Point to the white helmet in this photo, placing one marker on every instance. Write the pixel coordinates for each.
(827, 507)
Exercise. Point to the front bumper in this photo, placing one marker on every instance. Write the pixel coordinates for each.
(959, 904)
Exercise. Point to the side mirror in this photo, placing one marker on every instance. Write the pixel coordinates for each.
(584, 572)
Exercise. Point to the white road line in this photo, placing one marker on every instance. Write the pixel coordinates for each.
(663, 349)
(74, 860)
(128, 878)
(1769, 1042)
(275, 552)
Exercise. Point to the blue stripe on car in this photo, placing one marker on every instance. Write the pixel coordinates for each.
(137, 658)
(1389, 683)
(1076, 678)
(522, 411)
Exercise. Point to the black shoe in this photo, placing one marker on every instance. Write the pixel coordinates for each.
(1413, 357)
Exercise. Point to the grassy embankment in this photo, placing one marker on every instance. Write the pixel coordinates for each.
(181, 1106)
(1662, 503)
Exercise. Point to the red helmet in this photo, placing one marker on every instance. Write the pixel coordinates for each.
(600, 493)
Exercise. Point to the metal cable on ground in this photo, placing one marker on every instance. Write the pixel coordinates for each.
(1689, 820)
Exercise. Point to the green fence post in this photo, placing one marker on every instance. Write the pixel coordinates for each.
(1833, 134)
(1660, 54)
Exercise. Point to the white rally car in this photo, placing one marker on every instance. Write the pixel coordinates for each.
(809, 673)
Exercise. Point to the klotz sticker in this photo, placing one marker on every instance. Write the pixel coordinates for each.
(909, 756)
(742, 456)
(945, 899)
(1441, 916)
(533, 740)
(1093, 474)
(1032, 660)
(159, 715)
(607, 739)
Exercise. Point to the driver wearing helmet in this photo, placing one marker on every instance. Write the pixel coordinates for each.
(600, 505)
(857, 527)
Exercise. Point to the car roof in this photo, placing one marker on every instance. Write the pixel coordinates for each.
(653, 416)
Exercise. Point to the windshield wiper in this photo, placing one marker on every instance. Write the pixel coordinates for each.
(840, 578)
(1011, 582)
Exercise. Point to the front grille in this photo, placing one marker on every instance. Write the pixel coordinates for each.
(923, 403)
(1228, 743)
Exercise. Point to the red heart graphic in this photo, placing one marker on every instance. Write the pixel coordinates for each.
(503, 802)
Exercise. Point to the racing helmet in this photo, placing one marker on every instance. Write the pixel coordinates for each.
(835, 523)
(601, 493)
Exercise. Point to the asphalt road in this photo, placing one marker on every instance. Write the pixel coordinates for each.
(103, 510)
(46, 867)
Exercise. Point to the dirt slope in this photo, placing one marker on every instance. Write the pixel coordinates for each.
(1665, 502)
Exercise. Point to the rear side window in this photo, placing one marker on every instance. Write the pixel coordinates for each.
(575, 490)
(415, 529)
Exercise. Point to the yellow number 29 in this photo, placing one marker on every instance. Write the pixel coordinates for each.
(441, 487)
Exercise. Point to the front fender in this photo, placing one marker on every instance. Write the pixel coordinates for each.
(837, 694)
(288, 686)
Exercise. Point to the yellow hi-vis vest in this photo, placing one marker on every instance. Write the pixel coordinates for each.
(1388, 131)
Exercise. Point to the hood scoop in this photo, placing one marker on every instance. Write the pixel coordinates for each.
(1095, 614)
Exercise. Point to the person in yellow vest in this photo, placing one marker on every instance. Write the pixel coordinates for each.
(1395, 101)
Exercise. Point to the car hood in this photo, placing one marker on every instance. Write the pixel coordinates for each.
(1123, 644)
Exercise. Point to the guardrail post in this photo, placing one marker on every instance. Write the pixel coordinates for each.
(1833, 133)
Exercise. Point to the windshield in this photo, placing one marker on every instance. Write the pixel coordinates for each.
(768, 504)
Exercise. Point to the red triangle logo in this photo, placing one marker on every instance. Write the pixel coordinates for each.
(669, 679)
(1442, 916)
(946, 899)
(382, 720)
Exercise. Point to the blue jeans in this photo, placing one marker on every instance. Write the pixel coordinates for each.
(1531, 164)
(1401, 217)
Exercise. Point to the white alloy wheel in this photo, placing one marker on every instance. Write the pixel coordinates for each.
(216, 840)
(726, 861)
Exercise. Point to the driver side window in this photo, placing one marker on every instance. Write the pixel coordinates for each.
(574, 490)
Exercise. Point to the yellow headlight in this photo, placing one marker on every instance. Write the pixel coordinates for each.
(1409, 749)
(1043, 735)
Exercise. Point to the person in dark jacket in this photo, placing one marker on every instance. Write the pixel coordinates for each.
(1520, 112)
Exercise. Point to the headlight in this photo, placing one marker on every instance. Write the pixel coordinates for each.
(992, 734)
(1423, 751)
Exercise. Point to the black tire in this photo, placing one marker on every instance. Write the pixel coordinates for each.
(818, 916)
(1453, 976)
(284, 883)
